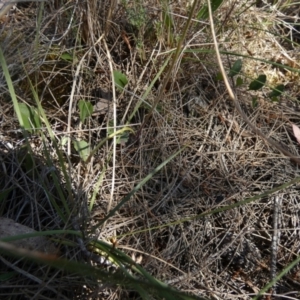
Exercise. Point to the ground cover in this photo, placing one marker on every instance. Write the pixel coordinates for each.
(121, 144)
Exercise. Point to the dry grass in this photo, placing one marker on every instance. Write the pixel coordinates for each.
(225, 255)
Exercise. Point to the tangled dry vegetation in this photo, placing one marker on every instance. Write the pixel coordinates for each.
(223, 255)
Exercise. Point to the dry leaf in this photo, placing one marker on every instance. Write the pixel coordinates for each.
(296, 131)
(102, 106)
(9, 227)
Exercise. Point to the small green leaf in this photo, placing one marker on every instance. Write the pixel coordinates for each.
(203, 13)
(85, 110)
(31, 119)
(277, 91)
(120, 80)
(236, 68)
(258, 83)
(254, 102)
(64, 141)
(123, 139)
(239, 81)
(122, 135)
(83, 148)
(219, 76)
(66, 56)
(274, 99)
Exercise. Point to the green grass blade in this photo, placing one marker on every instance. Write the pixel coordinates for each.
(137, 187)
